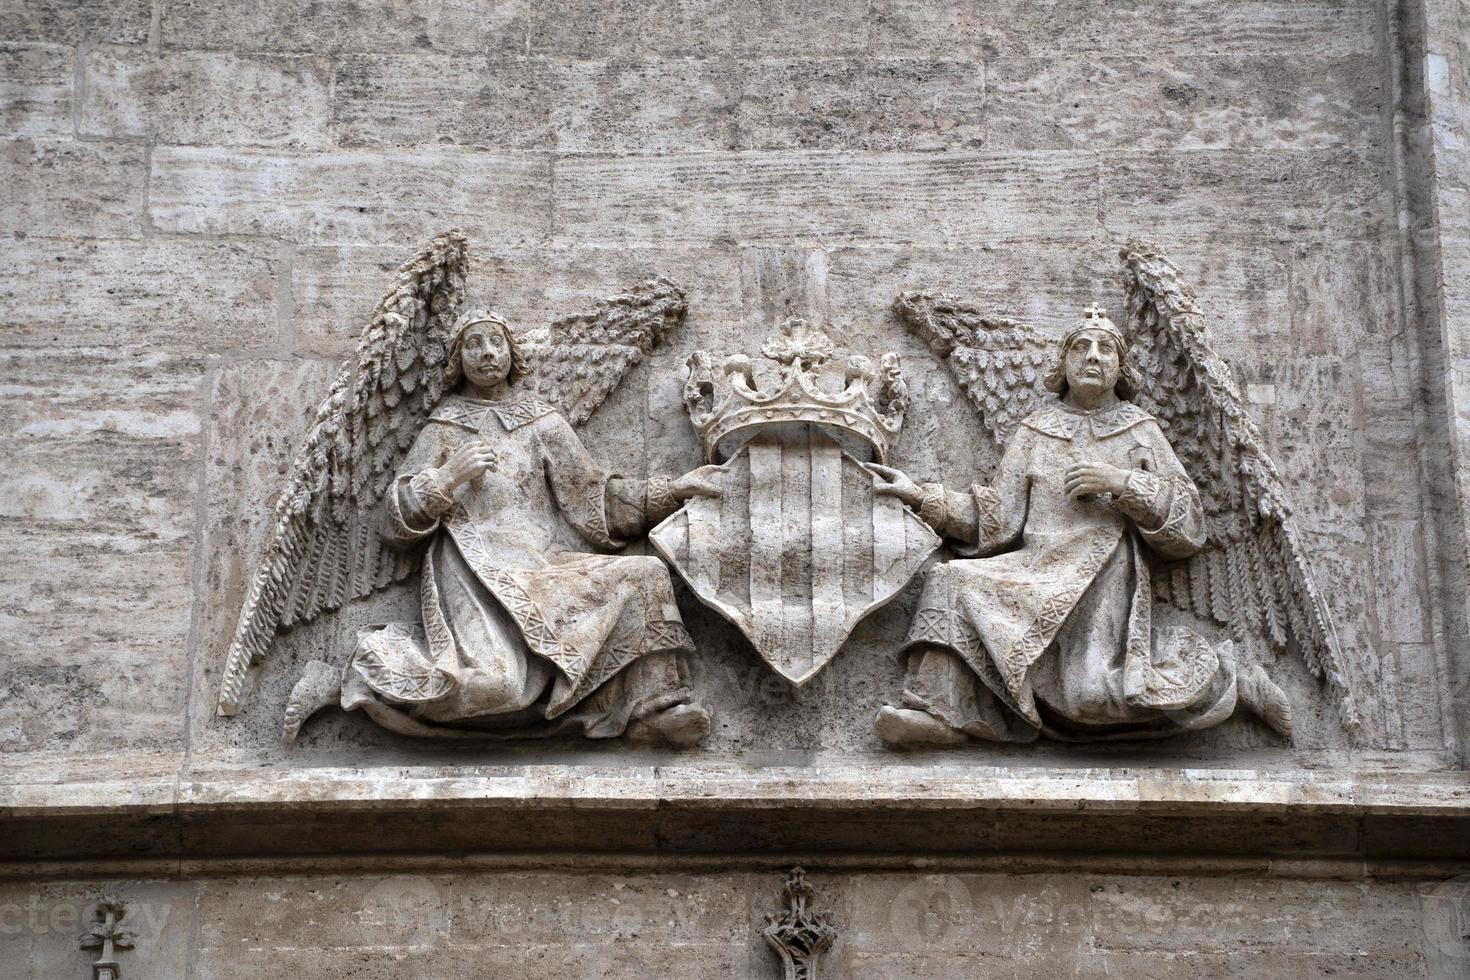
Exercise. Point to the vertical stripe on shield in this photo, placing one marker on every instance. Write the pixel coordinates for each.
(829, 606)
(766, 605)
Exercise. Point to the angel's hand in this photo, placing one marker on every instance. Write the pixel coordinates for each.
(468, 462)
(1084, 479)
(702, 482)
(894, 482)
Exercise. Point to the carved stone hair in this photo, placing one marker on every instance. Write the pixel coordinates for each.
(454, 369)
(1128, 381)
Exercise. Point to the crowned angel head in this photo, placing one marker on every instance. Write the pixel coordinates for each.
(1092, 358)
(483, 352)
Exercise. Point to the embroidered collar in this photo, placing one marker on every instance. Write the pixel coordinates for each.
(1060, 422)
(470, 414)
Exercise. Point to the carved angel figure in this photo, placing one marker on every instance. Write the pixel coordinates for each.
(525, 630)
(1047, 624)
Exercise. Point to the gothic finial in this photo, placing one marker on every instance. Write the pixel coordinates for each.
(798, 935)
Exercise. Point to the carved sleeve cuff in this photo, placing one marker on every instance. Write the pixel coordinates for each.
(1166, 511)
(989, 530)
(634, 505)
(1144, 499)
(932, 507)
(659, 500)
(416, 504)
(950, 514)
(432, 491)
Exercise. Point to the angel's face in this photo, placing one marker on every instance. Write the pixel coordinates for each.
(1093, 362)
(485, 355)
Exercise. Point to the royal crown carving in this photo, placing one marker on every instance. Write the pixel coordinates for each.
(801, 383)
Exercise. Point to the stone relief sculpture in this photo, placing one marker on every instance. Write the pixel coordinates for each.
(448, 447)
(796, 548)
(1048, 624)
(1088, 561)
(799, 935)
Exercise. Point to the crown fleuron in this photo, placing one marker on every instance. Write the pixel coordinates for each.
(862, 405)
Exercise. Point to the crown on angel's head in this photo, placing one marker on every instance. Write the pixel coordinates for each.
(471, 317)
(863, 401)
(1094, 317)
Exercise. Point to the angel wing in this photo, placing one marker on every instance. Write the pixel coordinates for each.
(1253, 574)
(578, 360)
(1000, 363)
(323, 546)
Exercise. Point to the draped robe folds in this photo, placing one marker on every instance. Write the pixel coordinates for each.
(1056, 619)
(521, 625)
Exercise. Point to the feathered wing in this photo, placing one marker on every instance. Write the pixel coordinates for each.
(578, 360)
(324, 546)
(1253, 574)
(1000, 363)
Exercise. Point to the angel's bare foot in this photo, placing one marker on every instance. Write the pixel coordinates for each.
(1265, 700)
(320, 686)
(681, 726)
(910, 728)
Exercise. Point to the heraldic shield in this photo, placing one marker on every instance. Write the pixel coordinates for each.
(798, 548)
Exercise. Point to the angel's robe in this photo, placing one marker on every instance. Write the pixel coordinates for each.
(522, 624)
(1056, 617)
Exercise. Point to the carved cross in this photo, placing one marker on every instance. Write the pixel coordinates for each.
(108, 937)
(1094, 312)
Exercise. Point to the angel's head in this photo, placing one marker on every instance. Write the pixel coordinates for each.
(484, 352)
(1091, 359)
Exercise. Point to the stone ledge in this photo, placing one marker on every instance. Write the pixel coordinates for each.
(910, 810)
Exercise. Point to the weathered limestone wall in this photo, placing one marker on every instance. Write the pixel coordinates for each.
(206, 199)
(202, 199)
(1443, 232)
(594, 924)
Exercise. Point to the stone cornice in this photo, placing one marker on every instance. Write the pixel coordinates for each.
(907, 811)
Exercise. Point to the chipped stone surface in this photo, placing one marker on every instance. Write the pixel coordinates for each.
(98, 520)
(407, 99)
(35, 89)
(1068, 28)
(205, 98)
(308, 26)
(645, 106)
(76, 21)
(66, 189)
(349, 196)
(1275, 195)
(863, 103)
(830, 198)
(185, 295)
(1281, 102)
